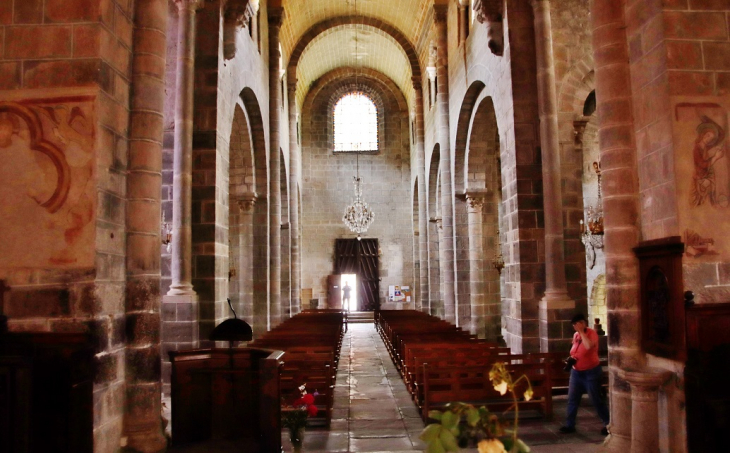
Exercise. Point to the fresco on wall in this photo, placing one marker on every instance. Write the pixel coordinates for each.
(47, 195)
(703, 177)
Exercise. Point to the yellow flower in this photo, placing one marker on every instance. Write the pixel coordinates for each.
(501, 387)
(491, 446)
(528, 394)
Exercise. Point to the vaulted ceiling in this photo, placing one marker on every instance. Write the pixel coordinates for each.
(377, 44)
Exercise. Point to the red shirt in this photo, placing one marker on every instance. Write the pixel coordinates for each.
(587, 358)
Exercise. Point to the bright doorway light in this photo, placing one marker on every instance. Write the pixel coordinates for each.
(348, 283)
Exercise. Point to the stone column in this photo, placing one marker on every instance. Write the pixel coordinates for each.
(556, 299)
(295, 157)
(422, 202)
(645, 386)
(246, 204)
(621, 205)
(448, 243)
(435, 304)
(475, 202)
(182, 182)
(142, 367)
(276, 16)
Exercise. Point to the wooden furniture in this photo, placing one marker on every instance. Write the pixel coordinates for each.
(227, 395)
(707, 369)
(662, 303)
(311, 341)
(46, 393)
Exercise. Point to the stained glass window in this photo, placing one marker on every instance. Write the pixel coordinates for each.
(356, 123)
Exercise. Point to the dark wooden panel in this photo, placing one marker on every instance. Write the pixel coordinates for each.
(353, 256)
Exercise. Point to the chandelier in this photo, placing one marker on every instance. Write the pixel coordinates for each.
(592, 230)
(358, 216)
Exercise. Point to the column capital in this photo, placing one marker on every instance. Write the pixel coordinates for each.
(539, 3)
(246, 201)
(440, 12)
(191, 5)
(238, 12)
(488, 11)
(475, 199)
(276, 16)
(431, 71)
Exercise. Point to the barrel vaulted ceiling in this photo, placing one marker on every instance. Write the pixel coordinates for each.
(335, 47)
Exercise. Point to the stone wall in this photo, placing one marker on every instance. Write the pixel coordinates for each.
(327, 184)
(68, 66)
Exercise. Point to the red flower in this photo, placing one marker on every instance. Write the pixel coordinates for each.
(312, 410)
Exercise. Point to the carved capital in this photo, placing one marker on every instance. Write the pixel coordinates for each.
(431, 71)
(488, 11)
(440, 13)
(276, 16)
(579, 128)
(475, 199)
(191, 5)
(246, 202)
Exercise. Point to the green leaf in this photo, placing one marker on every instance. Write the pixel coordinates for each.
(449, 441)
(436, 415)
(430, 433)
(435, 447)
(522, 447)
(472, 416)
(449, 420)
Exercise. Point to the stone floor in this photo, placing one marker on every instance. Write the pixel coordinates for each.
(373, 411)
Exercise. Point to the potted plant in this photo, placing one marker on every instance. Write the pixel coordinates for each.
(464, 425)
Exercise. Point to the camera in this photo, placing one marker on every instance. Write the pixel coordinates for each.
(569, 362)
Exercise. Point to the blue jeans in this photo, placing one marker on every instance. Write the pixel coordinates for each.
(580, 383)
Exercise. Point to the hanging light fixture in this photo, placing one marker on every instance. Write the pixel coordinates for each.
(358, 216)
(592, 230)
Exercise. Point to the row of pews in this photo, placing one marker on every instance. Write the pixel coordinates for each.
(228, 399)
(311, 342)
(441, 363)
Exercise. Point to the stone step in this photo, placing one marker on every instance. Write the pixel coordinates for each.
(360, 317)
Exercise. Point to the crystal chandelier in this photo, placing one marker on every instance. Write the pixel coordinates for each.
(592, 230)
(358, 216)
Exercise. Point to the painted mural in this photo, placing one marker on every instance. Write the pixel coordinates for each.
(47, 194)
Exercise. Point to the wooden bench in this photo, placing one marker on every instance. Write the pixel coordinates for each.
(472, 385)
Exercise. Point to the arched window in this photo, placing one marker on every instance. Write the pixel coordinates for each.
(356, 123)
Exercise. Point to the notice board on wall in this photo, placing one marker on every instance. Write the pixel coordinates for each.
(398, 293)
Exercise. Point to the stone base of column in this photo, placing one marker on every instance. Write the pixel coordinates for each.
(620, 427)
(645, 385)
(556, 310)
(152, 441)
(180, 321)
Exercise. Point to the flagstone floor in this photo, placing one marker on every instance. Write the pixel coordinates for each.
(373, 411)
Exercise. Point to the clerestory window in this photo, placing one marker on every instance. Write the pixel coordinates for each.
(356, 124)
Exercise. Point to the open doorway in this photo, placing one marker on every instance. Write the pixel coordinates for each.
(348, 285)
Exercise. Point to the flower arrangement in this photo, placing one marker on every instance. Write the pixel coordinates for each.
(294, 417)
(463, 425)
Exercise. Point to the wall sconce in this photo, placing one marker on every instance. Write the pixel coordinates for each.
(166, 233)
(591, 231)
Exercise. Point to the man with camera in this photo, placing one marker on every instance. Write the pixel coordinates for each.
(585, 374)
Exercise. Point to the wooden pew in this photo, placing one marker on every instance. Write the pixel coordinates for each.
(472, 385)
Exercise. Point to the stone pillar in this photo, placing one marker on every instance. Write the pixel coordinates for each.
(295, 159)
(276, 16)
(142, 368)
(435, 303)
(645, 386)
(182, 182)
(621, 205)
(246, 204)
(448, 243)
(424, 290)
(475, 202)
(556, 305)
